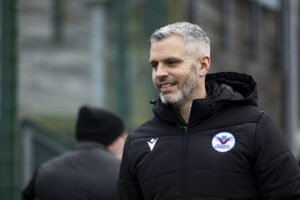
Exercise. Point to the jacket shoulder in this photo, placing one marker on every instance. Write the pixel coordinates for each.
(148, 129)
(243, 114)
(233, 116)
(246, 113)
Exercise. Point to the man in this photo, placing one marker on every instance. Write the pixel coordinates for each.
(207, 139)
(91, 170)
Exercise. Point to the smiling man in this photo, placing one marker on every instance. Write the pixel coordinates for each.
(207, 139)
(178, 76)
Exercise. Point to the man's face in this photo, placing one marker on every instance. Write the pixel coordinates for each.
(174, 70)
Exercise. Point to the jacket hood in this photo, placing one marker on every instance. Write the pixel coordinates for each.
(223, 89)
(232, 87)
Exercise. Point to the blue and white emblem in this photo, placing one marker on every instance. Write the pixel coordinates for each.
(223, 142)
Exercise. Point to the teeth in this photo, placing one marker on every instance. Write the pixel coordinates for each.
(166, 85)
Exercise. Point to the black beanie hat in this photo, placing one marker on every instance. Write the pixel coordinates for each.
(98, 125)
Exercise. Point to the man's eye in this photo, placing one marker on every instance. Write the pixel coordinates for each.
(171, 62)
(153, 65)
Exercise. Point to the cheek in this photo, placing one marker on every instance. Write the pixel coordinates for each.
(153, 77)
(154, 81)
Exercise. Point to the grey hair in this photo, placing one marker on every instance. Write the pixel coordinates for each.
(195, 39)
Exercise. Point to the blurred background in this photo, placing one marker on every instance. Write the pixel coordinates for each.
(57, 55)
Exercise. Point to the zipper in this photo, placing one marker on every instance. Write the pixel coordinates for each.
(184, 177)
(184, 163)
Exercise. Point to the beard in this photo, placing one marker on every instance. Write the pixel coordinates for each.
(185, 89)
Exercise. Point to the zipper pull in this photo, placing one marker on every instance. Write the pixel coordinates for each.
(184, 129)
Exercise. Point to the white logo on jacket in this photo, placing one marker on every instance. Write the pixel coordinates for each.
(223, 142)
(152, 143)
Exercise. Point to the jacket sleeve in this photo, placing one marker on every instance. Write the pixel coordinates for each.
(276, 171)
(28, 192)
(128, 187)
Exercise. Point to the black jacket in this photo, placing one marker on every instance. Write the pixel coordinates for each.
(89, 172)
(229, 150)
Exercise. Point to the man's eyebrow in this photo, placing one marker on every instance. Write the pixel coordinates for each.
(166, 59)
(172, 58)
(152, 61)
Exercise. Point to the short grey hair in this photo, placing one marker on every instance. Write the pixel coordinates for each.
(196, 40)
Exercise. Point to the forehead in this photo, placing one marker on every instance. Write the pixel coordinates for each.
(172, 46)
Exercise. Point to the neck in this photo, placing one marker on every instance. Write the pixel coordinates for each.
(185, 108)
(184, 111)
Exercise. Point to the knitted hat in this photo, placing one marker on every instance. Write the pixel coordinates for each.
(98, 125)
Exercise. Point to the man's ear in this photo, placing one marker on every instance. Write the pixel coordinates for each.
(204, 63)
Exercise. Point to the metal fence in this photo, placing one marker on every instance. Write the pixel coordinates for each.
(37, 146)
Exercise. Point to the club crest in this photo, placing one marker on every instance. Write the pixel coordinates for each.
(223, 142)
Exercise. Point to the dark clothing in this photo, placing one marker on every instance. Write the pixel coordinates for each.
(89, 172)
(187, 162)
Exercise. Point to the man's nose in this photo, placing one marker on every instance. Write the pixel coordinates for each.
(161, 71)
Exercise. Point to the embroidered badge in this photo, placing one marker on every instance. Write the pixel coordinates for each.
(223, 142)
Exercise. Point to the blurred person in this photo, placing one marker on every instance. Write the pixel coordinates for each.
(91, 170)
(208, 139)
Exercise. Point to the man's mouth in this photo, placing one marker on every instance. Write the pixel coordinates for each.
(166, 85)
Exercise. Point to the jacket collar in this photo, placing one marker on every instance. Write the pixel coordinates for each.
(223, 89)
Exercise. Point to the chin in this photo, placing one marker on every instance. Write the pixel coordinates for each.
(175, 98)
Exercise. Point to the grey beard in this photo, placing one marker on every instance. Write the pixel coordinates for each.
(189, 87)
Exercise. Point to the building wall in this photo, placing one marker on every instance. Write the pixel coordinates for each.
(237, 55)
(53, 77)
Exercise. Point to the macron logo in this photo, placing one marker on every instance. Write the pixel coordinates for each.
(152, 143)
